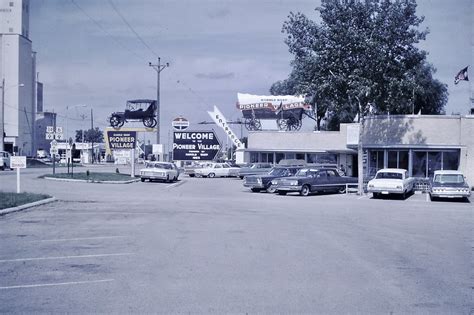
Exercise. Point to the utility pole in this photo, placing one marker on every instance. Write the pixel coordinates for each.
(158, 68)
(2, 119)
(92, 135)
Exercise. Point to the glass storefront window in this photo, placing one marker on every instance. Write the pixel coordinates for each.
(253, 157)
(375, 162)
(451, 160)
(392, 159)
(279, 157)
(434, 162)
(419, 164)
(300, 156)
(403, 159)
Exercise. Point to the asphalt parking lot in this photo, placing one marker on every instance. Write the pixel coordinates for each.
(206, 245)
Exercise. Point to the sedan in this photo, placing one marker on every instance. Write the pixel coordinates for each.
(308, 180)
(391, 181)
(449, 184)
(217, 170)
(162, 171)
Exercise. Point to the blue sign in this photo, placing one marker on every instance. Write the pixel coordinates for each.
(195, 145)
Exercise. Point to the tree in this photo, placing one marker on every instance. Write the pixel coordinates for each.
(362, 56)
(90, 135)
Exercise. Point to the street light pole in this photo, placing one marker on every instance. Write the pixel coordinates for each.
(2, 119)
(158, 68)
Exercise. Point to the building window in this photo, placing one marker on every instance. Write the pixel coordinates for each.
(434, 162)
(11, 3)
(322, 158)
(419, 164)
(451, 160)
(267, 157)
(279, 157)
(300, 156)
(290, 156)
(253, 157)
(375, 161)
(397, 159)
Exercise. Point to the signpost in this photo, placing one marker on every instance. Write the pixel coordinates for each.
(18, 162)
(53, 151)
(195, 145)
(54, 133)
(123, 140)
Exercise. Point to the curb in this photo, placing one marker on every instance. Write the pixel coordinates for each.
(91, 181)
(28, 205)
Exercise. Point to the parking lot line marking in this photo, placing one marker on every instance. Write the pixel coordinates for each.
(25, 286)
(78, 239)
(176, 184)
(64, 257)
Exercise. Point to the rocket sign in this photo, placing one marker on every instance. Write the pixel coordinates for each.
(195, 145)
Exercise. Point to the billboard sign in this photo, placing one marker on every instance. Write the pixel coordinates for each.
(195, 145)
(122, 140)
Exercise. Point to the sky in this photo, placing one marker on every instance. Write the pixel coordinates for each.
(87, 56)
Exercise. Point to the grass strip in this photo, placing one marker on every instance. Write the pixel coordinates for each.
(9, 199)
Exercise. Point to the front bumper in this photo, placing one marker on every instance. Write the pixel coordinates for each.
(288, 187)
(154, 176)
(254, 185)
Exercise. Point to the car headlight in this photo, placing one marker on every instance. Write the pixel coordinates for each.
(293, 182)
(274, 182)
(399, 187)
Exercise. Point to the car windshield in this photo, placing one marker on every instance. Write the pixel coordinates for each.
(278, 171)
(160, 165)
(449, 179)
(303, 172)
(389, 175)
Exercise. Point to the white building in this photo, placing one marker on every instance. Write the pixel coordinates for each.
(17, 68)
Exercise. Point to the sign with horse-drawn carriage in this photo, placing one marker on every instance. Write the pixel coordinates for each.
(287, 110)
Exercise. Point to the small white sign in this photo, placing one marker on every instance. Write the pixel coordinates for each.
(50, 136)
(59, 129)
(157, 149)
(53, 151)
(49, 129)
(68, 154)
(59, 136)
(18, 162)
(54, 144)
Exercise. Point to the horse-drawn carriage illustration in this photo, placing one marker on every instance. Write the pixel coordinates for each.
(136, 110)
(287, 110)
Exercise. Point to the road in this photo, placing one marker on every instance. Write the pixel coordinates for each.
(212, 246)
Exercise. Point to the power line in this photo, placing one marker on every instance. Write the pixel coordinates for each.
(131, 28)
(106, 32)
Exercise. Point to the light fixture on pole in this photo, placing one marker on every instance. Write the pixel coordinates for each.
(158, 68)
(2, 112)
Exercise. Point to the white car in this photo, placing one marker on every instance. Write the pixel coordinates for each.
(217, 170)
(163, 171)
(391, 181)
(4, 160)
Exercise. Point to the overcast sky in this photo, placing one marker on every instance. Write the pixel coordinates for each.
(215, 48)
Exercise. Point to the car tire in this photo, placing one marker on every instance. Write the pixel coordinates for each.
(3, 167)
(175, 179)
(191, 175)
(375, 195)
(342, 190)
(211, 175)
(270, 188)
(167, 179)
(305, 190)
(241, 177)
(282, 193)
(142, 179)
(255, 189)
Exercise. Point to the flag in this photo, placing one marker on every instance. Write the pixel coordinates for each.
(462, 75)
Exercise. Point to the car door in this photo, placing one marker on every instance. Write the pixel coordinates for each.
(218, 170)
(319, 181)
(333, 180)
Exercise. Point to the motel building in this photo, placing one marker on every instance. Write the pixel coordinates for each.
(419, 143)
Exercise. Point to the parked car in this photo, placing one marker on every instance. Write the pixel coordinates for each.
(391, 181)
(308, 180)
(264, 181)
(190, 169)
(5, 160)
(217, 170)
(163, 171)
(255, 169)
(449, 184)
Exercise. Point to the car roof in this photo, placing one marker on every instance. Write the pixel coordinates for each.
(392, 170)
(442, 172)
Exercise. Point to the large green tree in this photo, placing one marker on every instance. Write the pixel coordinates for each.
(90, 135)
(362, 55)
